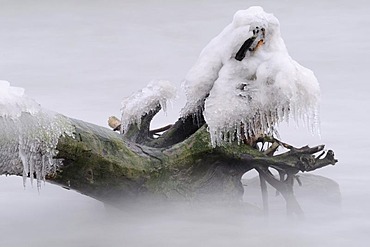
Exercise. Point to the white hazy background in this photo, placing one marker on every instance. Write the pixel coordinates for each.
(80, 58)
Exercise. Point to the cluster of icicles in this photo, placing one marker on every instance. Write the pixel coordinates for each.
(29, 135)
(263, 122)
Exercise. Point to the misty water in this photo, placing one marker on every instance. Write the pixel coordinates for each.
(80, 58)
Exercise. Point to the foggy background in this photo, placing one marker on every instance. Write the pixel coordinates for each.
(81, 58)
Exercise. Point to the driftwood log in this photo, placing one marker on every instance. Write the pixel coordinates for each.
(180, 164)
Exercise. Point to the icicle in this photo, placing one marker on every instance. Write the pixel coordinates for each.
(24, 159)
(31, 168)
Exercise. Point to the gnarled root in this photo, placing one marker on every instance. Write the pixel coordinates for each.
(288, 164)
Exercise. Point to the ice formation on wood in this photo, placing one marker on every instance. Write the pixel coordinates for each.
(29, 135)
(245, 82)
(156, 93)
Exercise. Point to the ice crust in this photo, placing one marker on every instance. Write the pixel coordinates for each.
(29, 135)
(253, 95)
(156, 93)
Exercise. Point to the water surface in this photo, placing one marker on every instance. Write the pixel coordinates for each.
(80, 58)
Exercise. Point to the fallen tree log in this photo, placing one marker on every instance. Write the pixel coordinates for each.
(181, 164)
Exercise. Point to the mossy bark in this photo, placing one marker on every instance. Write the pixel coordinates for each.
(100, 163)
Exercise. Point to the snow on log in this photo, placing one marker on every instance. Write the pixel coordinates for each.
(248, 83)
(156, 94)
